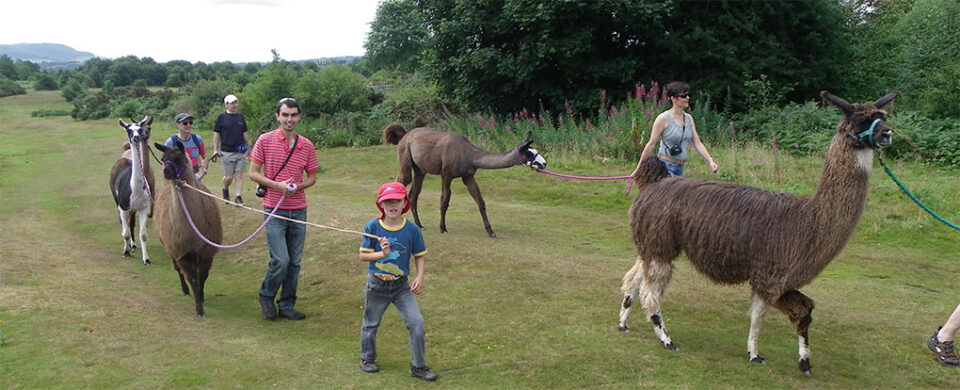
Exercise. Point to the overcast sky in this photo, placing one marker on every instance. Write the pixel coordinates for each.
(194, 30)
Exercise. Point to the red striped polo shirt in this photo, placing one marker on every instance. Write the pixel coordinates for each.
(270, 151)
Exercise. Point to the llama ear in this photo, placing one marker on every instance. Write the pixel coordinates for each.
(123, 124)
(843, 105)
(885, 99)
(160, 147)
(527, 138)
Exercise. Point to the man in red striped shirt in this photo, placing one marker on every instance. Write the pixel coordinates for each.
(285, 157)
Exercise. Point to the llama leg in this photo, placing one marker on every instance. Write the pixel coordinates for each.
(758, 308)
(414, 193)
(189, 264)
(125, 232)
(656, 276)
(444, 202)
(204, 271)
(142, 220)
(630, 289)
(798, 307)
(183, 283)
(474, 189)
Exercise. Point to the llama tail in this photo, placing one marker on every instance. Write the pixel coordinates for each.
(651, 171)
(393, 133)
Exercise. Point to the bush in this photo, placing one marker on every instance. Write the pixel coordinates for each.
(43, 113)
(9, 88)
(45, 82)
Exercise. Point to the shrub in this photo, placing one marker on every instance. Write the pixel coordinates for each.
(45, 82)
(43, 113)
(9, 88)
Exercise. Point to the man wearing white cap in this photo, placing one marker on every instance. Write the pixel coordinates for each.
(230, 141)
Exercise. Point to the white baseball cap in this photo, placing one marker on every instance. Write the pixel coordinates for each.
(229, 99)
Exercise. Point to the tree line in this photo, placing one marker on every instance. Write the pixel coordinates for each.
(427, 61)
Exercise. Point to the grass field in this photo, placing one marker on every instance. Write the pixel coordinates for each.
(535, 308)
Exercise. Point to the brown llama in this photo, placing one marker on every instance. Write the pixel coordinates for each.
(131, 182)
(191, 256)
(777, 241)
(424, 150)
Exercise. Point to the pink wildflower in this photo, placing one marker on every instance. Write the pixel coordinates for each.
(566, 104)
(654, 90)
(641, 91)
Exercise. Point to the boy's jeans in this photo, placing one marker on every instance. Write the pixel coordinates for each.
(379, 295)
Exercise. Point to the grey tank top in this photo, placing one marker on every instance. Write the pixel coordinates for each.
(671, 136)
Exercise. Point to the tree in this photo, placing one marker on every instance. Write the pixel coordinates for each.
(7, 68)
(512, 54)
(45, 82)
(260, 97)
(72, 90)
(929, 66)
(398, 37)
(334, 88)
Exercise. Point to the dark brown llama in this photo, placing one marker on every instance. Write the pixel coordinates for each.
(731, 233)
(424, 150)
(131, 182)
(191, 256)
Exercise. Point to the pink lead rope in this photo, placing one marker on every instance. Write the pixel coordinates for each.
(629, 183)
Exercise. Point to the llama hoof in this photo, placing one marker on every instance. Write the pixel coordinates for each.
(624, 329)
(805, 367)
(671, 346)
(147, 262)
(492, 234)
(759, 360)
(126, 253)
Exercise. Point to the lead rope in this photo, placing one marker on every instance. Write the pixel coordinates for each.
(280, 216)
(545, 172)
(183, 206)
(914, 198)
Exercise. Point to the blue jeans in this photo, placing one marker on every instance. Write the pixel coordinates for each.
(285, 241)
(673, 169)
(378, 295)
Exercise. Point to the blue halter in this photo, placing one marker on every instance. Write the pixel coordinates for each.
(868, 135)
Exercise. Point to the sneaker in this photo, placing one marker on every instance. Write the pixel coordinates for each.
(944, 350)
(291, 314)
(238, 199)
(368, 366)
(268, 308)
(226, 194)
(422, 373)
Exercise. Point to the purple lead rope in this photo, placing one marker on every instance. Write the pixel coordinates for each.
(290, 187)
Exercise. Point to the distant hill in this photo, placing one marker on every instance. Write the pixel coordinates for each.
(50, 56)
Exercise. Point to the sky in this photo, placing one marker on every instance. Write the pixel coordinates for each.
(194, 30)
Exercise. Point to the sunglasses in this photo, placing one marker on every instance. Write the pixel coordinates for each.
(187, 123)
(682, 96)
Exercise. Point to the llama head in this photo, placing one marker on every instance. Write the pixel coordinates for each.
(137, 132)
(529, 156)
(863, 122)
(174, 159)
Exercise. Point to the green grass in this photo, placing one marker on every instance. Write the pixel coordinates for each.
(535, 308)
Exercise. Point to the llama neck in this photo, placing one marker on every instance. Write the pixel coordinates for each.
(496, 161)
(842, 191)
(137, 180)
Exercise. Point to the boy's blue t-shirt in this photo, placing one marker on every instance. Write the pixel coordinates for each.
(404, 241)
